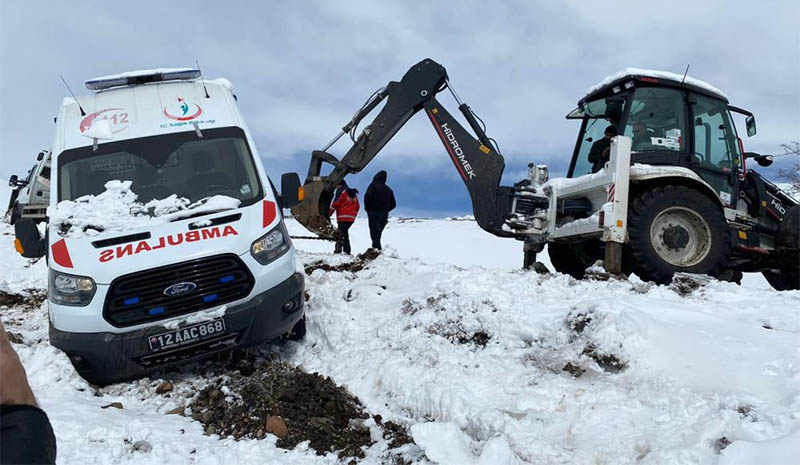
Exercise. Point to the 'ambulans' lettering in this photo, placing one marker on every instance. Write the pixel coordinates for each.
(170, 240)
(210, 233)
(106, 255)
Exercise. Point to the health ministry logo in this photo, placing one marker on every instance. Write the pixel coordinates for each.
(180, 110)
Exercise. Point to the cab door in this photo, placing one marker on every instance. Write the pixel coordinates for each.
(716, 156)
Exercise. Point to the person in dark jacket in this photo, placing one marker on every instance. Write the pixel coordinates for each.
(599, 153)
(26, 435)
(378, 202)
(346, 208)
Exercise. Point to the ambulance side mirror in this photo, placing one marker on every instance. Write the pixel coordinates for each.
(28, 241)
(290, 190)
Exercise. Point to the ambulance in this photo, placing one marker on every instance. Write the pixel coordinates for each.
(213, 277)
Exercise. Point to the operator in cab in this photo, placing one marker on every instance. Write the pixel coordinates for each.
(640, 136)
(599, 153)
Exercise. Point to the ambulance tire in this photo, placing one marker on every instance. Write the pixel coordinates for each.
(298, 331)
(16, 213)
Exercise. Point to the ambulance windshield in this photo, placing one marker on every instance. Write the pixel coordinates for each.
(219, 163)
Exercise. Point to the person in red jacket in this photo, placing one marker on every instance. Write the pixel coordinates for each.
(346, 208)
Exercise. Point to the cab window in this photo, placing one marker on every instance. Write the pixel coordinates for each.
(715, 142)
(599, 115)
(592, 137)
(657, 120)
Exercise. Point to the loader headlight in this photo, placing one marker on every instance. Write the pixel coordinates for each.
(271, 245)
(67, 289)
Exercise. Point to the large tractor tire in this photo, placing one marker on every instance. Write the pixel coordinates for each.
(676, 229)
(787, 242)
(573, 258)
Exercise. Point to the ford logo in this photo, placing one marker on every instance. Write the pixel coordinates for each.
(180, 288)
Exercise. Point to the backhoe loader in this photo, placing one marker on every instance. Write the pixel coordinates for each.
(671, 193)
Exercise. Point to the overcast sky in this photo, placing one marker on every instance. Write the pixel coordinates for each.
(301, 69)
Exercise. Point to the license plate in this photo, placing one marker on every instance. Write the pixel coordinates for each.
(186, 335)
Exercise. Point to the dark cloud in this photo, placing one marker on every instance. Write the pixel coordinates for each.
(301, 68)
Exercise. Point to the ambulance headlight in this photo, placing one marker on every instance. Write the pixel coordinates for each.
(67, 289)
(271, 245)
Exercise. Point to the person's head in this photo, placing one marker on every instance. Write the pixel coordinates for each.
(639, 128)
(380, 177)
(342, 184)
(611, 131)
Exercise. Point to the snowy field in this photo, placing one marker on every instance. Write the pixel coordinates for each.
(485, 363)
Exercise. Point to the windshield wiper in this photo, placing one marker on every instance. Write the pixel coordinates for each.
(179, 216)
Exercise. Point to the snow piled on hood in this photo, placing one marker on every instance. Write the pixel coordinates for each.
(117, 209)
(655, 74)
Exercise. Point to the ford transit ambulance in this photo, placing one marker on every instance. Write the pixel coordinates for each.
(217, 274)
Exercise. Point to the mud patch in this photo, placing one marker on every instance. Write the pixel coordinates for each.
(686, 283)
(747, 412)
(720, 444)
(312, 407)
(610, 363)
(457, 335)
(578, 321)
(358, 264)
(28, 299)
(573, 369)
(16, 338)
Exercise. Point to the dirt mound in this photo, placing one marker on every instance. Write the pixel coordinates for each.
(310, 406)
(358, 264)
(30, 298)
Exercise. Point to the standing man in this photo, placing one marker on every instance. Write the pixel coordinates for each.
(346, 208)
(599, 153)
(378, 201)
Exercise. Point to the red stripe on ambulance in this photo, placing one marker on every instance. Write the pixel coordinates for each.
(171, 240)
(61, 254)
(270, 212)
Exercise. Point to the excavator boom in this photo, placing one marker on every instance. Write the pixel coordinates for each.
(477, 160)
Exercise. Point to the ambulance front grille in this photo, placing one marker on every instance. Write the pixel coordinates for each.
(194, 285)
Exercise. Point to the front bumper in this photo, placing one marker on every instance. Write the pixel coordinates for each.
(104, 358)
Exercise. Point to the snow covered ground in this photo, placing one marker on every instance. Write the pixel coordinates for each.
(485, 363)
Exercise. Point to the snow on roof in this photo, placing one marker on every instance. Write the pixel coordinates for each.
(655, 74)
(140, 72)
(223, 82)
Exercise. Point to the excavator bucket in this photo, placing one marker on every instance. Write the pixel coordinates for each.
(312, 211)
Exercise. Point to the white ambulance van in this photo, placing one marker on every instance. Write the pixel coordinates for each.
(125, 303)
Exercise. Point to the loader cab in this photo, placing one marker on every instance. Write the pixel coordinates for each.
(671, 120)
